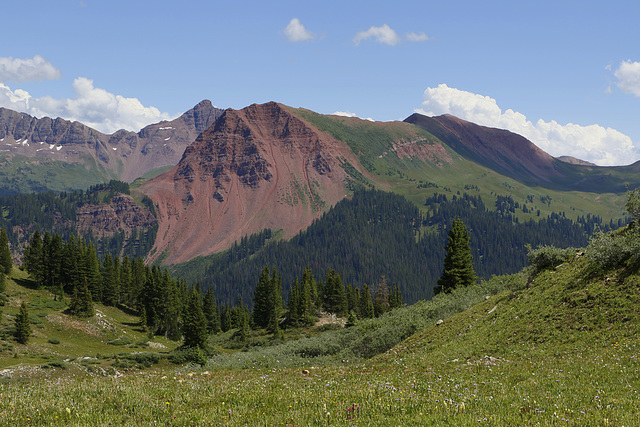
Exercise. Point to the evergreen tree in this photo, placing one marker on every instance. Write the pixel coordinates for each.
(70, 268)
(195, 324)
(32, 260)
(90, 272)
(126, 290)
(275, 303)
(225, 317)
(366, 304)
(458, 261)
(211, 311)
(381, 298)
(6, 260)
(81, 302)
(334, 298)
(23, 328)
(395, 297)
(110, 286)
(261, 300)
(3, 283)
(294, 305)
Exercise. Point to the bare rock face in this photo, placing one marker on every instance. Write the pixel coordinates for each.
(122, 214)
(255, 168)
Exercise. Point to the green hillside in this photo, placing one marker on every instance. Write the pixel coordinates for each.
(554, 345)
(61, 342)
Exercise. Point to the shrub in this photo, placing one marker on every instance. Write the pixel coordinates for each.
(121, 341)
(612, 250)
(548, 257)
(54, 340)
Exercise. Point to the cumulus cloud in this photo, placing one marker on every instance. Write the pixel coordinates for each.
(350, 114)
(628, 75)
(594, 143)
(386, 35)
(27, 70)
(92, 106)
(296, 32)
(416, 37)
(383, 34)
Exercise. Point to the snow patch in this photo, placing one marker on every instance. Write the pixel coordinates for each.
(1, 139)
(25, 142)
(41, 142)
(114, 148)
(166, 139)
(59, 147)
(166, 128)
(51, 146)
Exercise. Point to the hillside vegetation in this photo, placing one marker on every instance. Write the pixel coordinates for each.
(556, 344)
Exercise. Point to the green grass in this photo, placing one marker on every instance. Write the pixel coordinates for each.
(560, 349)
(21, 174)
(64, 337)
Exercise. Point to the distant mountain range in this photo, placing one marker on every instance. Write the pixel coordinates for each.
(232, 173)
(39, 154)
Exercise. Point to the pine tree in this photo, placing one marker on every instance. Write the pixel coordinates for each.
(6, 260)
(366, 305)
(81, 302)
(458, 261)
(32, 260)
(260, 315)
(334, 298)
(195, 324)
(110, 288)
(211, 311)
(3, 283)
(23, 328)
(381, 298)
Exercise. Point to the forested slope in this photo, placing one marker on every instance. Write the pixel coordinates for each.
(377, 233)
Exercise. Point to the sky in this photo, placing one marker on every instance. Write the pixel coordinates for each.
(564, 74)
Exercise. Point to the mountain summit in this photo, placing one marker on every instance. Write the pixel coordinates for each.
(255, 168)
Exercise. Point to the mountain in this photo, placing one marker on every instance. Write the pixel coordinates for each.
(575, 161)
(274, 167)
(56, 154)
(255, 168)
(514, 156)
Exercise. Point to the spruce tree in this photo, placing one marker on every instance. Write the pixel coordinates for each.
(261, 300)
(3, 283)
(458, 261)
(81, 302)
(366, 305)
(6, 260)
(334, 298)
(23, 328)
(381, 298)
(211, 311)
(195, 324)
(32, 260)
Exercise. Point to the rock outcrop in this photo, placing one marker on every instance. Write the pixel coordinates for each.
(123, 214)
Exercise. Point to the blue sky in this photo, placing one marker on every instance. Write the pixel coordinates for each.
(565, 74)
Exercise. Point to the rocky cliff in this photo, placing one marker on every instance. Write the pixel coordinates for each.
(255, 168)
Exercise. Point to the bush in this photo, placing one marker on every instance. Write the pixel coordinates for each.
(612, 250)
(121, 341)
(548, 257)
(183, 355)
(54, 341)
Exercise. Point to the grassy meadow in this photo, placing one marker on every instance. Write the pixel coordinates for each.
(560, 349)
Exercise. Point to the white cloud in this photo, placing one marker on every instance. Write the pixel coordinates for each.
(383, 34)
(416, 37)
(27, 70)
(594, 143)
(350, 114)
(296, 32)
(92, 106)
(628, 75)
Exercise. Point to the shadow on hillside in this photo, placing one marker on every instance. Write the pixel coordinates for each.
(26, 283)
